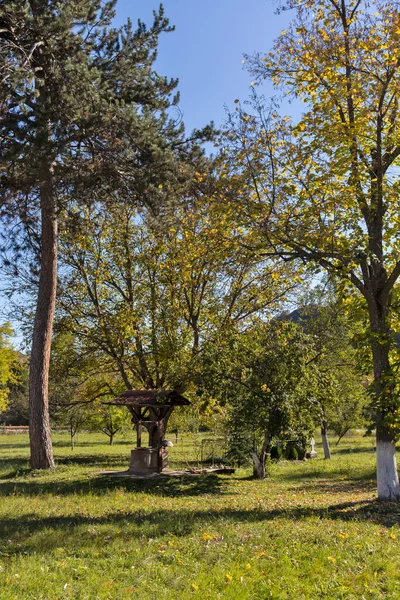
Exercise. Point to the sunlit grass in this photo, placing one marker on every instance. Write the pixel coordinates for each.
(312, 530)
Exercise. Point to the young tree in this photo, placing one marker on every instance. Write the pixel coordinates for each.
(80, 107)
(109, 420)
(340, 388)
(263, 379)
(324, 189)
(75, 417)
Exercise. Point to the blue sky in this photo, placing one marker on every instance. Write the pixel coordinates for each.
(206, 50)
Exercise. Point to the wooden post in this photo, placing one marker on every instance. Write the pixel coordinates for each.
(159, 447)
(139, 434)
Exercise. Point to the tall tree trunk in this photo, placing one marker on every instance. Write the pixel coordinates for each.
(39, 422)
(325, 441)
(386, 467)
(260, 460)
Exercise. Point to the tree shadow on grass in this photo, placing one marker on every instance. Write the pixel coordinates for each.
(320, 473)
(73, 458)
(172, 487)
(13, 467)
(30, 533)
(93, 460)
(355, 450)
(346, 486)
(16, 445)
(321, 482)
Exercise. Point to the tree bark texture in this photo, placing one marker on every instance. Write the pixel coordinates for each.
(386, 467)
(260, 460)
(259, 471)
(325, 441)
(39, 421)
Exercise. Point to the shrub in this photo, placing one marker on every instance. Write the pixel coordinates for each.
(276, 452)
(292, 453)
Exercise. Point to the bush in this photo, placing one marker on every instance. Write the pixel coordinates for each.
(292, 453)
(276, 452)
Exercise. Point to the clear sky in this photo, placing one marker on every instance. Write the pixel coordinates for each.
(205, 52)
(206, 49)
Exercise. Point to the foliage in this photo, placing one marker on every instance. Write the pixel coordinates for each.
(324, 190)
(75, 93)
(84, 115)
(77, 385)
(8, 364)
(71, 380)
(276, 453)
(143, 297)
(292, 453)
(326, 182)
(109, 420)
(17, 409)
(98, 86)
(263, 378)
(341, 389)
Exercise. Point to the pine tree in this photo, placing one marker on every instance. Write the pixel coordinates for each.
(82, 112)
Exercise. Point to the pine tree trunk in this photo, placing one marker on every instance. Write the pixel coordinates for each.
(39, 421)
(325, 441)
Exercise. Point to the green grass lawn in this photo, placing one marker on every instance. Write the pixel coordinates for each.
(312, 530)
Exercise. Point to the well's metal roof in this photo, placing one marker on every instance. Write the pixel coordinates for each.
(149, 398)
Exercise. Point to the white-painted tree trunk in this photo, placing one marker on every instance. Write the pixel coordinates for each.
(386, 470)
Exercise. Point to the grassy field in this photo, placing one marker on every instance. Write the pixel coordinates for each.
(312, 530)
